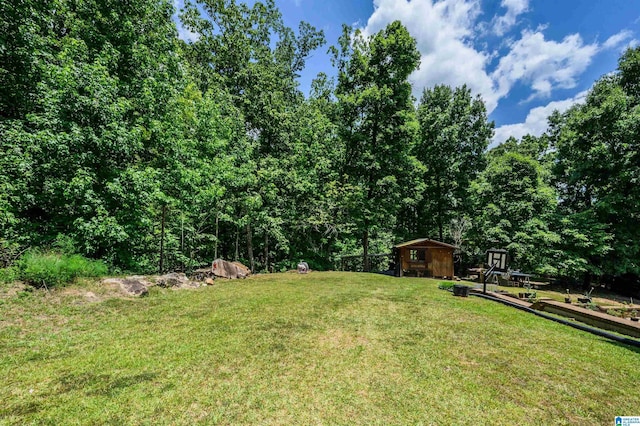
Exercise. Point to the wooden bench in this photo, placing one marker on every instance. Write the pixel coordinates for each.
(538, 285)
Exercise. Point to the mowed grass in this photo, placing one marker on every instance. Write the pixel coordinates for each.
(323, 348)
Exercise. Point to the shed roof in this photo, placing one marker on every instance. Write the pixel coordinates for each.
(424, 241)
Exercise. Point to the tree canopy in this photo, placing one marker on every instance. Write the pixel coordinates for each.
(376, 123)
(150, 152)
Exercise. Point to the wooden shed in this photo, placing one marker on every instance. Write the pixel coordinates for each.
(424, 258)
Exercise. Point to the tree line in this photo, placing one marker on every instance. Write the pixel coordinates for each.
(133, 146)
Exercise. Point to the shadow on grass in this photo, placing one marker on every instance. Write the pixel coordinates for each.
(101, 384)
(46, 356)
(20, 409)
(623, 345)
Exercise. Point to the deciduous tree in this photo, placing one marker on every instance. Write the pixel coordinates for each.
(376, 122)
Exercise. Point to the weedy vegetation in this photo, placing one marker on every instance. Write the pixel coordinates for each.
(51, 269)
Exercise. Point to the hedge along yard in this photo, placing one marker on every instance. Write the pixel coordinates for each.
(322, 348)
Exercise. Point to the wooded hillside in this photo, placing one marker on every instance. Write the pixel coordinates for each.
(120, 141)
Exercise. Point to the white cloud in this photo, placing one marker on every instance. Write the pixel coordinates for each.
(443, 31)
(617, 40)
(536, 122)
(502, 24)
(547, 65)
(543, 64)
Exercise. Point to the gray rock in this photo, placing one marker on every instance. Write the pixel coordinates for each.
(176, 280)
(134, 287)
(138, 285)
(203, 274)
(190, 284)
(222, 268)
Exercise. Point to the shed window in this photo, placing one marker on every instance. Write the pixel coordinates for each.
(417, 255)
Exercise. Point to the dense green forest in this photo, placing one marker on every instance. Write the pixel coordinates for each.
(120, 141)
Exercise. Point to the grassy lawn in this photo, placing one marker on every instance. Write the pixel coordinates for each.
(322, 348)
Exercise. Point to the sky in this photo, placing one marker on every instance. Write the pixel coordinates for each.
(526, 58)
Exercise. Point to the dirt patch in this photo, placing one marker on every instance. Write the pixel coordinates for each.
(12, 290)
(82, 295)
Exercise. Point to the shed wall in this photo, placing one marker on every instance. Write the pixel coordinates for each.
(438, 261)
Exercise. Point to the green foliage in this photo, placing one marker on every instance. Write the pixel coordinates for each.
(255, 58)
(454, 133)
(8, 275)
(516, 207)
(126, 144)
(90, 127)
(596, 171)
(52, 269)
(446, 285)
(377, 125)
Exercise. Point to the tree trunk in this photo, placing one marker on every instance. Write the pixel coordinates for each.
(266, 250)
(161, 263)
(250, 248)
(586, 281)
(365, 251)
(182, 240)
(215, 255)
(237, 242)
(440, 207)
(191, 251)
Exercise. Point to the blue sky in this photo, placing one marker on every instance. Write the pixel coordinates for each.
(524, 57)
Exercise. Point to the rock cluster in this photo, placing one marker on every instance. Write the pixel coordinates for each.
(138, 285)
(176, 280)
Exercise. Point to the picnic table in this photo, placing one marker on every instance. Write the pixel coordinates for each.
(538, 285)
(520, 277)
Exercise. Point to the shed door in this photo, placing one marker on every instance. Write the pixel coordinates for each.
(442, 263)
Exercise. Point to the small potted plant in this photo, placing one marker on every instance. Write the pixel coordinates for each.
(567, 298)
(527, 294)
(634, 315)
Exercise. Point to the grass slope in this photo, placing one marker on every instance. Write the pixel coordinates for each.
(322, 348)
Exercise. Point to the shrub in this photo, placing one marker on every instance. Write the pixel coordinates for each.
(446, 285)
(64, 244)
(8, 275)
(51, 269)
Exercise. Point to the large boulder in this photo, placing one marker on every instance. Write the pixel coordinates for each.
(243, 271)
(232, 270)
(203, 275)
(176, 280)
(135, 286)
